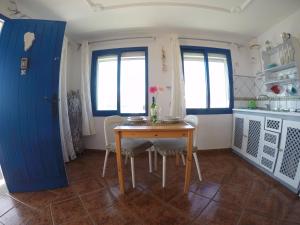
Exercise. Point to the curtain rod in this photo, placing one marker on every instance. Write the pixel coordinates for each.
(211, 40)
(121, 39)
(154, 38)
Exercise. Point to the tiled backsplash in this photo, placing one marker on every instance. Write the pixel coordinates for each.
(249, 88)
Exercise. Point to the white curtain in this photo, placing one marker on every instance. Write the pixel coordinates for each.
(177, 108)
(88, 124)
(65, 131)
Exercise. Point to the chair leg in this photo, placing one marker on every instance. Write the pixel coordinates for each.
(155, 159)
(150, 160)
(126, 159)
(164, 171)
(183, 159)
(105, 163)
(197, 165)
(132, 171)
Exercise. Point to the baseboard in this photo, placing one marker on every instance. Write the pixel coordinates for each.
(215, 149)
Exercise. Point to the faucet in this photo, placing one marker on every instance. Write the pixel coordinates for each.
(268, 105)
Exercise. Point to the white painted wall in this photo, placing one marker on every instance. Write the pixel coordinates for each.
(290, 25)
(74, 66)
(214, 130)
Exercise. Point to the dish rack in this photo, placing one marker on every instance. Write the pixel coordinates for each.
(281, 68)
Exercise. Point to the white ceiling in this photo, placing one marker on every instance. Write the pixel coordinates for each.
(91, 18)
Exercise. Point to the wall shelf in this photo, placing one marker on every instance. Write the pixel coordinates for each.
(284, 81)
(279, 68)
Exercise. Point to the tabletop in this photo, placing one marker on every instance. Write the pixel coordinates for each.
(154, 127)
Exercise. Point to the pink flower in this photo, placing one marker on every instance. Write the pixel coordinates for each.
(153, 89)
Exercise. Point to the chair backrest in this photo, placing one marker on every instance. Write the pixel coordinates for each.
(110, 123)
(193, 120)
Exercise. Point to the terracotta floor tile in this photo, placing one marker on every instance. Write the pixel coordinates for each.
(144, 205)
(167, 216)
(282, 222)
(272, 204)
(98, 200)
(232, 192)
(213, 176)
(217, 213)
(68, 211)
(206, 189)
(81, 221)
(249, 218)
(169, 192)
(115, 215)
(293, 212)
(41, 218)
(21, 197)
(64, 193)
(191, 204)
(41, 199)
(86, 186)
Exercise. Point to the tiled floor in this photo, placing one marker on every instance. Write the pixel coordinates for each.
(231, 193)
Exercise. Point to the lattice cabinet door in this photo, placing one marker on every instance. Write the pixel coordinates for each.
(238, 132)
(288, 162)
(254, 137)
(273, 124)
(269, 150)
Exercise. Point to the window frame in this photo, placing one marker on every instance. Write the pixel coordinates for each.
(205, 51)
(116, 51)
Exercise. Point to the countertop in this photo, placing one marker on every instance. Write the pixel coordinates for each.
(268, 112)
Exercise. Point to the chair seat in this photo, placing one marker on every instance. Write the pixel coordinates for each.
(131, 147)
(171, 146)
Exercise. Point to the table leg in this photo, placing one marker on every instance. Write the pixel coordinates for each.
(119, 162)
(189, 159)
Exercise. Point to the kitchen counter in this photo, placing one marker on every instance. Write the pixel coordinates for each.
(270, 112)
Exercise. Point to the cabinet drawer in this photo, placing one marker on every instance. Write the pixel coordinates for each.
(273, 124)
(271, 139)
(269, 151)
(267, 163)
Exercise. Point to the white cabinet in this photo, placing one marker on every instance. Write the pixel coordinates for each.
(253, 137)
(247, 135)
(288, 162)
(238, 132)
(269, 150)
(273, 124)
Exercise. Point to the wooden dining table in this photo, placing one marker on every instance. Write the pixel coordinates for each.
(157, 130)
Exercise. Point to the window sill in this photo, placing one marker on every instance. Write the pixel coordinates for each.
(208, 111)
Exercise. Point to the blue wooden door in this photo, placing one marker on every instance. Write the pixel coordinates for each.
(30, 148)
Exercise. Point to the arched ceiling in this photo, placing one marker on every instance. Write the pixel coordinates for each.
(89, 18)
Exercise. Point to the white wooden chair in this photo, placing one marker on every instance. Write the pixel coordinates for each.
(130, 147)
(167, 147)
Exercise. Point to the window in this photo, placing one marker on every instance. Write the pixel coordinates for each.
(208, 80)
(119, 82)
